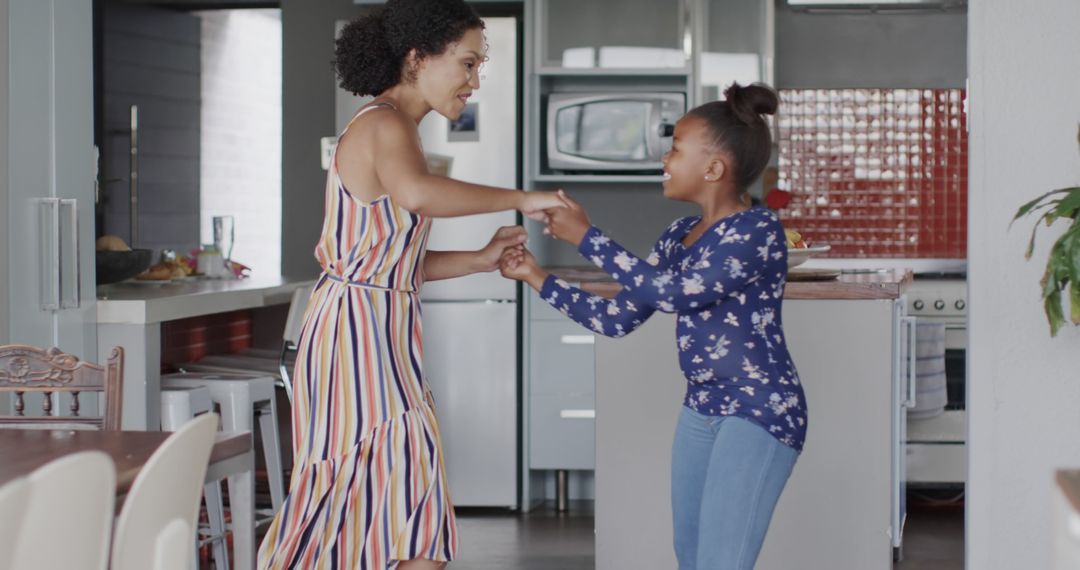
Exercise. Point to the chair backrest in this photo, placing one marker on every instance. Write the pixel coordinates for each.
(69, 517)
(167, 488)
(295, 321)
(172, 549)
(14, 498)
(28, 369)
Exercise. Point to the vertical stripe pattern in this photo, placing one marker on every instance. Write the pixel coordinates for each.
(368, 486)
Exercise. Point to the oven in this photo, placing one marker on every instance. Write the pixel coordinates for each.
(936, 453)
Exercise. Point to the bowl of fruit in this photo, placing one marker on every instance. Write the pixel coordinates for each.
(798, 250)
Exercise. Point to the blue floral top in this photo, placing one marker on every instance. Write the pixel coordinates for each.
(726, 288)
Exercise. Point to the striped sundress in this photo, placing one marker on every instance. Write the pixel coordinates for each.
(368, 486)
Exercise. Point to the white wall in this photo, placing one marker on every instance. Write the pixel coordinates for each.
(1024, 387)
(241, 132)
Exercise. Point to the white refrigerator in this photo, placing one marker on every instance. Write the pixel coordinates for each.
(470, 324)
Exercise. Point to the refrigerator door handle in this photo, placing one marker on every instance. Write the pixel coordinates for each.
(74, 252)
(50, 268)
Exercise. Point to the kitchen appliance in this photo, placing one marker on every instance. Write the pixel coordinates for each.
(611, 132)
(936, 453)
(470, 324)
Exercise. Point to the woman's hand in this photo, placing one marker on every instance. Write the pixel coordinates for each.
(519, 264)
(569, 223)
(504, 238)
(535, 204)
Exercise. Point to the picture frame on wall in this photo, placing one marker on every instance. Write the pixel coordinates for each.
(467, 127)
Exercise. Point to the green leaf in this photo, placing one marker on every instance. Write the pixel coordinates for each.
(1052, 304)
(1068, 205)
(1028, 206)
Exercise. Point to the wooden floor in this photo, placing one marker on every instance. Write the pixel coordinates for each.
(542, 540)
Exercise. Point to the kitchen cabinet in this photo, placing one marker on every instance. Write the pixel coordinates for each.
(50, 176)
(735, 43)
(561, 392)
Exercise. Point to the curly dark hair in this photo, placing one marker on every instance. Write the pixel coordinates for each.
(369, 56)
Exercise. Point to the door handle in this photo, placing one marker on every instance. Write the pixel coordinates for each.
(75, 264)
(49, 253)
(577, 339)
(577, 414)
(912, 368)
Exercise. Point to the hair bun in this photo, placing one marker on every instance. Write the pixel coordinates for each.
(752, 101)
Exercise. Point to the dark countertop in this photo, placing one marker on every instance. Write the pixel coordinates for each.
(886, 284)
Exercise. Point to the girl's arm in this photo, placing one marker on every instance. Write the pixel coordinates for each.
(721, 264)
(403, 173)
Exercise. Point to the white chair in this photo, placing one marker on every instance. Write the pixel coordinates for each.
(241, 398)
(262, 362)
(178, 407)
(167, 488)
(14, 497)
(170, 546)
(69, 515)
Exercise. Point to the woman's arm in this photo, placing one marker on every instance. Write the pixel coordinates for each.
(402, 171)
(449, 264)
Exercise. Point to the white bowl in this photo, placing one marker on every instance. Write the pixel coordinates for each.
(798, 255)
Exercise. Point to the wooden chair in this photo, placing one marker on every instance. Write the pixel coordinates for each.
(27, 370)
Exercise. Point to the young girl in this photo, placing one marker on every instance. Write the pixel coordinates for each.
(723, 274)
(369, 488)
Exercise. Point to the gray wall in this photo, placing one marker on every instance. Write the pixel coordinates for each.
(925, 49)
(307, 116)
(151, 58)
(4, 207)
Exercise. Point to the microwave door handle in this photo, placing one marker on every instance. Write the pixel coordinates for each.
(652, 133)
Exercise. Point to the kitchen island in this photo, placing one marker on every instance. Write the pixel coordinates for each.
(130, 315)
(844, 502)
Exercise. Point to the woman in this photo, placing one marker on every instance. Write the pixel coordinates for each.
(368, 489)
(743, 420)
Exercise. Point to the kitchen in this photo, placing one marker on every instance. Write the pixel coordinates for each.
(958, 48)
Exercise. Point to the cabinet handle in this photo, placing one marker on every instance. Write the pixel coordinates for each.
(577, 414)
(73, 204)
(577, 339)
(910, 324)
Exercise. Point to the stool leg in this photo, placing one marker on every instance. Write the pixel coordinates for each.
(272, 451)
(215, 513)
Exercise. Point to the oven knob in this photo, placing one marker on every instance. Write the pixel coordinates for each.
(939, 305)
(918, 305)
(666, 130)
(960, 304)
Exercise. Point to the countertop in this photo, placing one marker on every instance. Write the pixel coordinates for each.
(876, 284)
(132, 303)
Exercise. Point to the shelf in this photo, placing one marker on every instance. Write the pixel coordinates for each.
(600, 178)
(614, 71)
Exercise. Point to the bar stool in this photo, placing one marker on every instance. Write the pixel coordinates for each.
(240, 398)
(178, 406)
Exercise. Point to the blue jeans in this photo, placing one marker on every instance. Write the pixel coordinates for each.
(726, 477)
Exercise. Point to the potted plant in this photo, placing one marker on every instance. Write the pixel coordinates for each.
(1063, 265)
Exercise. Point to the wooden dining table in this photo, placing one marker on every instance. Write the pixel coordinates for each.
(24, 450)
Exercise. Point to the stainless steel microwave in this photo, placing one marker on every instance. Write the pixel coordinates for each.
(610, 132)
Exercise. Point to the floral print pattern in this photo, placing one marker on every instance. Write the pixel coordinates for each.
(727, 289)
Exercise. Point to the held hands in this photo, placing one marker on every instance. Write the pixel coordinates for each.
(505, 238)
(519, 263)
(537, 205)
(568, 223)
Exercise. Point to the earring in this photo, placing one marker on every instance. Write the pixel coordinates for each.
(710, 178)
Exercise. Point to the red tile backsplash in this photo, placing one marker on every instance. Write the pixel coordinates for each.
(876, 172)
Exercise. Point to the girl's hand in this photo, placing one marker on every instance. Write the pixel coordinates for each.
(569, 223)
(519, 264)
(536, 204)
(504, 238)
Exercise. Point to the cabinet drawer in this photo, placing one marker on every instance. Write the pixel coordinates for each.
(562, 434)
(561, 358)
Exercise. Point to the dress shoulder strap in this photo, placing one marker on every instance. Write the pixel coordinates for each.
(365, 110)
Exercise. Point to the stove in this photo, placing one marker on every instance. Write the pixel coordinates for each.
(936, 454)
